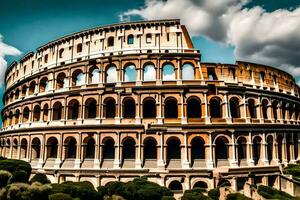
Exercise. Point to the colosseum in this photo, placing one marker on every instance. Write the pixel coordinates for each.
(134, 99)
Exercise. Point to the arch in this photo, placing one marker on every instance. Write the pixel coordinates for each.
(61, 52)
(91, 108)
(89, 147)
(128, 149)
(15, 148)
(200, 184)
(274, 109)
(193, 108)
(279, 146)
(221, 149)
(130, 39)
(61, 81)
(26, 112)
(188, 71)
(110, 41)
(264, 104)
(24, 89)
(130, 73)
(283, 110)
(295, 139)
(70, 147)
(175, 186)
(36, 113)
(262, 76)
(128, 108)
(109, 108)
(173, 149)
(10, 117)
(32, 86)
(108, 150)
(149, 72)
(52, 146)
(288, 147)
(57, 111)
(168, 72)
(17, 117)
(197, 149)
(79, 48)
(171, 108)
(148, 38)
(256, 149)
(149, 108)
(234, 107)
(24, 145)
(111, 74)
(215, 107)
(94, 75)
(150, 148)
(73, 109)
(242, 148)
(17, 93)
(251, 108)
(44, 85)
(291, 111)
(270, 148)
(45, 112)
(35, 148)
(78, 78)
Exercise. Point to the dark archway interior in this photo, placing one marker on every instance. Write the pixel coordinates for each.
(242, 153)
(221, 148)
(91, 109)
(198, 149)
(36, 147)
(201, 184)
(109, 149)
(71, 148)
(150, 149)
(269, 148)
(52, 147)
(57, 111)
(73, 109)
(149, 109)
(234, 108)
(110, 111)
(251, 108)
(193, 108)
(129, 149)
(175, 185)
(90, 148)
(129, 108)
(171, 108)
(256, 149)
(215, 108)
(173, 149)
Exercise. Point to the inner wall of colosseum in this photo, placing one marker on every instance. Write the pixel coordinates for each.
(82, 115)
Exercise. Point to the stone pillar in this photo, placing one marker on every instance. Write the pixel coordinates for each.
(183, 115)
(138, 119)
(210, 162)
(227, 110)
(138, 161)
(161, 161)
(78, 152)
(264, 150)
(247, 118)
(119, 109)
(117, 161)
(250, 160)
(60, 152)
(179, 72)
(159, 118)
(138, 74)
(284, 150)
(234, 162)
(206, 117)
(185, 162)
(97, 152)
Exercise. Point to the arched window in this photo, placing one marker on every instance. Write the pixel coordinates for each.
(24, 144)
(90, 108)
(109, 149)
(94, 75)
(148, 38)
(130, 73)
(201, 185)
(279, 146)
(256, 149)
(173, 149)
(252, 108)
(175, 186)
(36, 113)
(73, 109)
(79, 48)
(110, 42)
(288, 147)
(24, 89)
(150, 149)
(193, 108)
(242, 148)
(128, 108)
(32, 88)
(128, 149)
(10, 116)
(110, 108)
(265, 108)
(270, 148)
(283, 110)
(26, 114)
(274, 109)
(188, 72)
(17, 94)
(149, 72)
(221, 149)
(44, 85)
(168, 72)
(15, 149)
(89, 150)
(45, 112)
(17, 116)
(291, 111)
(234, 107)
(78, 78)
(57, 111)
(262, 76)
(149, 108)
(61, 53)
(35, 148)
(171, 108)
(70, 146)
(296, 146)
(130, 39)
(52, 146)
(111, 74)
(198, 149)
(215, 108)
(61, 81)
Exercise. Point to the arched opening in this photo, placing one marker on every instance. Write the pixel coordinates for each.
(221, 150)
(45, 112)
(270, 148)
(26, 112)
(175, 186)
(128, 108)
(168, 72)
(94, 75)
(193, 108)
(70, 147)
(148, 38)
(36, 113)
(44, 85)
(61, 81)
(17, 116)
(108, 149)
(57, 111)
(283, 110)
(78, 78)
(197, 149)
(52, 145)
(110, 41)
(7, 148)
(130, 73)
(149, 108)
(171, 108)
(17, 93)
(111, 74)
(130, 39)
(128, 149)
(173, 149)
(215, 108)
(291, 111)
(262, 76)
(295, 146)
(279, 146)
(252, 108)
(149, 72)
(274, 109)
(15, 149)
(201, 185)
(256, 149)
(234, 107)
(24, 89)
(24, 145)
(150, 149)
(61, 53)
(73, 109)
(242, 149)
(90, 108)
(31, 88)
(10, 117)
(109, 108)
(79, 48)
(288, 147)
(89, 148)
(188, 72)
(35, 148)
(264, 105)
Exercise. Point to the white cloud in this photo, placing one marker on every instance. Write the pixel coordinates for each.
(5, 49)
(270, 38)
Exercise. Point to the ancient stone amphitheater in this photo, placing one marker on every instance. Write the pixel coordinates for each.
(134, 99)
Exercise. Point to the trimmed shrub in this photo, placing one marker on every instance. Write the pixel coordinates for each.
(214, 193)
(271, 193)
(13, 165)
(4, 177)
(36, 191)
(60, 196)
(15, 191)
(39, 177)
(194, 194)
(167, 198)
(102, 191)
(237, 196)
(293, 169)
(19, 177)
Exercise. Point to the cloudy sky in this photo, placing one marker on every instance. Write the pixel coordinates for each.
(262, 31)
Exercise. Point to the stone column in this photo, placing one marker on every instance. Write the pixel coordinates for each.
(185, 162)
(138, 119)
(119, 109)
(227, 110)
(210, 162)
(97, 152)
(78, 152)
(60, 152)
(284, 150)
(138, 161)
(234, 162)
(250, 160)
(247, 118)
(206, 117)
(138, 74)
(183, 116)
(161, 161)
(264, 150)
(159, 117)
(117, 161)
(179, 74)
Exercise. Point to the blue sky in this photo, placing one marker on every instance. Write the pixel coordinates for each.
(29, 24)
